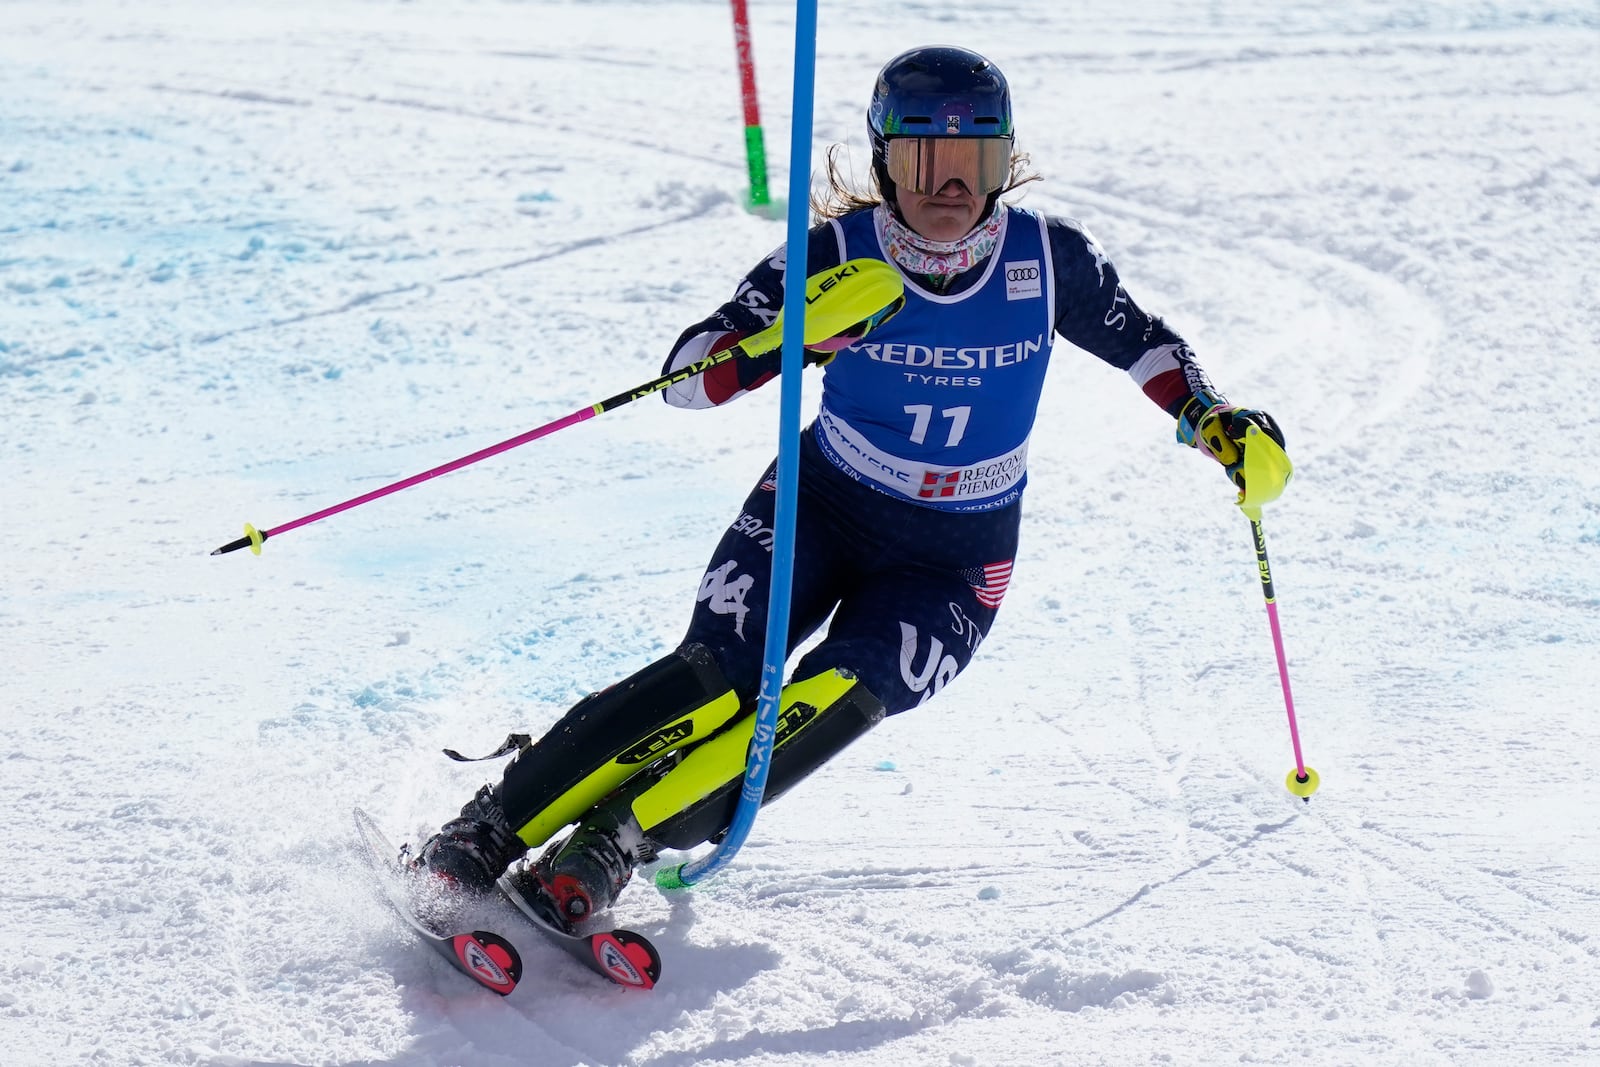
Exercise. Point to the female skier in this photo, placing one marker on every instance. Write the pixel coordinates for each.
(909, 499)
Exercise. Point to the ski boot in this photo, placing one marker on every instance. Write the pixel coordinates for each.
(584, 874)
(470, 852)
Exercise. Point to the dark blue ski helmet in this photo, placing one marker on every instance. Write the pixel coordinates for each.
(936, 91)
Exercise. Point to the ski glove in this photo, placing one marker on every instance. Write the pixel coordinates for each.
(1219, 429)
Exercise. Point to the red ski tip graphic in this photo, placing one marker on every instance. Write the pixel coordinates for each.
(490, 959)
(625, 962)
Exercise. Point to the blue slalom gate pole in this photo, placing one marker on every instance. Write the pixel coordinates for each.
(783, 538)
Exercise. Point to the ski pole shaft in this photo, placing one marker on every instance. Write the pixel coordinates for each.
(858, 293)
(254, 538)
(1277, 638)
(1302, 780)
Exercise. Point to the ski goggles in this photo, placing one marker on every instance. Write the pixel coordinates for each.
(925, 164)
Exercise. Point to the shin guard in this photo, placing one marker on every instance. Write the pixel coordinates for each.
(610, 736)
(694, 802)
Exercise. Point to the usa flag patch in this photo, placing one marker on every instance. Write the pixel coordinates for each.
(989, 582)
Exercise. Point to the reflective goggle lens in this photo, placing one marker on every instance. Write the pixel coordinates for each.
(925, 164)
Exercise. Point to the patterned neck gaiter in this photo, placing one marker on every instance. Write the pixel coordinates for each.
(937, 259)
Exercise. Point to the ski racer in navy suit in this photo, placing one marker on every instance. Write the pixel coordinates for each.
(909, 499)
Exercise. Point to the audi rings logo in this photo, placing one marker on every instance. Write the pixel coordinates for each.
(1024, 279)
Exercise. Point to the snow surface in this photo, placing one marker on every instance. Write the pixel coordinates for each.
(258, 258)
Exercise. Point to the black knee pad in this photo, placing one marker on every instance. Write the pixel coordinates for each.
(695, 801)
(610, 736)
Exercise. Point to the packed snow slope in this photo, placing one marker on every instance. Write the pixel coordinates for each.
(258, 258)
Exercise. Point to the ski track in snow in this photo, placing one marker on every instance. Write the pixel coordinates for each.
(255, 262)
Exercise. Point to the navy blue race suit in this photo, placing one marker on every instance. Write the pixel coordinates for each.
(913, 472)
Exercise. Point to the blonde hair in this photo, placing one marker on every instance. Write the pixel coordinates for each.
(841, 195)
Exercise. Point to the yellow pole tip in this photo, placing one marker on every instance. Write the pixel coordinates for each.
(1302, 786)
(255, 539)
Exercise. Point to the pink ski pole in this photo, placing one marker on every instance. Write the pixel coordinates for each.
(849, 300)
(1302, 781)
(1266, 472)
(253, 538)
(751, 346)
